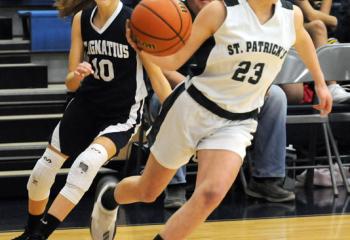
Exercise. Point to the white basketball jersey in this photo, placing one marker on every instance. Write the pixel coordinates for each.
(241, 60)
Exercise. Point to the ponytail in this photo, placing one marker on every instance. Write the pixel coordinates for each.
(71, 7)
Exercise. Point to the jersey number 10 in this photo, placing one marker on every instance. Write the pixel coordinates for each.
(103, 70)
(244, 67)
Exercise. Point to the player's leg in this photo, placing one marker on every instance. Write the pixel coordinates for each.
(162, 163)
(80, 177)
(219, 157)
(217, 170)
(40, 183)
(144, 188)
(72, 135)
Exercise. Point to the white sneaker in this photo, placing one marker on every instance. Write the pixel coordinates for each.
(103, 221)
(338, 93)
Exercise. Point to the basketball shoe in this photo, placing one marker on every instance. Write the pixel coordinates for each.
(103, 221)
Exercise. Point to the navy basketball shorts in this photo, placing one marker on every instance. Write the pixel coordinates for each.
(82, 122)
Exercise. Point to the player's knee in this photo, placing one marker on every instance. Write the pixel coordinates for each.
(148, 197)
(83, 172)
(210, 197)
(149, 194)
(43, 175)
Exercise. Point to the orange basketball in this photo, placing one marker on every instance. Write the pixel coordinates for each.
(161, 27)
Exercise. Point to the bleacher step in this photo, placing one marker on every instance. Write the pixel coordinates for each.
(14, 44)
(26, 75)
(27, 128)
(11, 59)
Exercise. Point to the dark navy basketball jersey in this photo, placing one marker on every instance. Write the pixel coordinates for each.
(118, 80)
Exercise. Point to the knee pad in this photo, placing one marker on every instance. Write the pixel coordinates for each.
(83, 172)
(43, 175)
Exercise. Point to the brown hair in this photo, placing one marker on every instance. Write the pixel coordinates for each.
(71, 7)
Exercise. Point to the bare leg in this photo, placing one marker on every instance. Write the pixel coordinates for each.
(37, 207)
(147, 187)
(318, 32)
(294, 92)
(217, 170)
(61, 206)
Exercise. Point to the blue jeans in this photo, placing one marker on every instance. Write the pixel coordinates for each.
(180, 176)
(269, 150)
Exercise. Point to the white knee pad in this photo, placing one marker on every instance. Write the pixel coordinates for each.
(43, 175)
(83, 172)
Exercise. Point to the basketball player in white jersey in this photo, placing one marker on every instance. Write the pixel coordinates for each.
(213, 115)
(99, 121)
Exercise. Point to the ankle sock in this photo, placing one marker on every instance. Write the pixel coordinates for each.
(107, 200)
(33, 222)
(158, 237)
(48, 225)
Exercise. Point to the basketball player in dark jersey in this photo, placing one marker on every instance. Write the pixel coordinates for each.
(100, 119)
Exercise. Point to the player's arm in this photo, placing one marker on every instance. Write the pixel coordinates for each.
(209, 19)
(312, 14)
(307, 52)
(159, 82)
(77, 70)
(174, 77)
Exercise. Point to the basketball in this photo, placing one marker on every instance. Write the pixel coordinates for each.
(160, 27)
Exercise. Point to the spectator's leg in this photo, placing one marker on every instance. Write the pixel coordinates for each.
(175, 193)
(269, 152)
(318, 32)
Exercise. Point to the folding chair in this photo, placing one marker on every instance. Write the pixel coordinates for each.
(294, 71)
(335, 63)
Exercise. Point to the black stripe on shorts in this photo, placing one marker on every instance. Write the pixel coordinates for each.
(211, 106)
(151, 137)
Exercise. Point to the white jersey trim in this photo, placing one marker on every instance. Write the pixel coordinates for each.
(108, 22)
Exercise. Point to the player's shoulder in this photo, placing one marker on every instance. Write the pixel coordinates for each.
(287, 4)
(231, 3)
(127, 9)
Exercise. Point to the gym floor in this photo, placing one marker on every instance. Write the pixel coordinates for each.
(236, 208)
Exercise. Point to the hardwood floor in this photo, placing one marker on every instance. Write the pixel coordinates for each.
(335, 227)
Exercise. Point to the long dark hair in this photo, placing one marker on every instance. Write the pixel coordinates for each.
(71, 7)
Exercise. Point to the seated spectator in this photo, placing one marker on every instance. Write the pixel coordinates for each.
(316, 24)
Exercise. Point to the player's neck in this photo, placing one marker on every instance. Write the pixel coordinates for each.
(104, 12)
(264, 9)
(262, 5)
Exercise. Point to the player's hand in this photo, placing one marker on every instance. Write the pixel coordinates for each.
(325, 100)
(131, 39)
(83, 70)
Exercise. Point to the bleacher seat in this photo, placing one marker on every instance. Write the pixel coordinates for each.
(47, 32)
